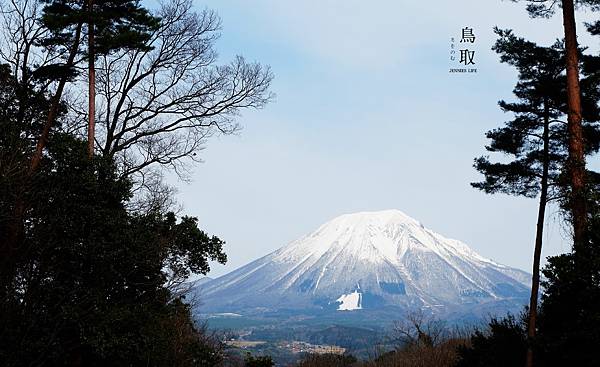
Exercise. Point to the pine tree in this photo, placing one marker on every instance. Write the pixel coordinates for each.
(536, 137)
(111, 25)
(576, 170)
(576, 163)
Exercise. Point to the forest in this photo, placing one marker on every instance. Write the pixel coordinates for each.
(100, 100)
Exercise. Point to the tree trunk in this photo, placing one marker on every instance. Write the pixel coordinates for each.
(91, 81)
(537, 252)
(43, 140)
(14, 229)
(576, 162)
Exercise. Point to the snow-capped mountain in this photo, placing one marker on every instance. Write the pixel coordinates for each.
(368, 261)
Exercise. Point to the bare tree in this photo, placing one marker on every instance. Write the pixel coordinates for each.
(20, 38)
(20, 32)
(419, 329)
(157, 107)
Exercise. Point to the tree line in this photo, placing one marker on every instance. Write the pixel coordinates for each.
(98, 99)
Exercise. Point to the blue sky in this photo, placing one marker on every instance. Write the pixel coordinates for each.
(367, 117)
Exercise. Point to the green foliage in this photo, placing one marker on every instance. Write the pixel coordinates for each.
(569, 316)
(258, 361)
(15, 149)
(547, 8)
(87, 279)
(569, 323)
(541, 104)
(22, 113)
(184, 240)
(504, 344)
(118, 24)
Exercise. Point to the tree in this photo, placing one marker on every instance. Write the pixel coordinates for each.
(89, 280)
(145, 80)
(34, 73)
(27, 96)
(111, 25)
(121, 24)
(158, 106)
(569, 321)
(569, 318)
(503, 344)
(576, 161)
(418, 329)
(20, 35)
(258, 361)
(536, 137)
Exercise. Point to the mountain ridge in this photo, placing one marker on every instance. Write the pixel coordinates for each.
(367, 261)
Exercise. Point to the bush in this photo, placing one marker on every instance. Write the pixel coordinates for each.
(328, 359)
(259, 361)
(504, 344)
(444, 354)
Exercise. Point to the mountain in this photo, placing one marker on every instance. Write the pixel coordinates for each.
(202, 280)
(369, 261)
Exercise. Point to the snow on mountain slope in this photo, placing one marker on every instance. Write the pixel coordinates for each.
(349, 302)
(366, 260)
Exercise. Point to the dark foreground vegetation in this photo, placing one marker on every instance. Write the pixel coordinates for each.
(94, 256)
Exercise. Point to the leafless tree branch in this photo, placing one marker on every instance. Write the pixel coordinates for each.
(157, 108)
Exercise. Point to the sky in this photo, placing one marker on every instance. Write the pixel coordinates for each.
(367, 117)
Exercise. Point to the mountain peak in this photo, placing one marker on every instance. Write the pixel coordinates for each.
(367, 260)
(370, 236)
(372, 217)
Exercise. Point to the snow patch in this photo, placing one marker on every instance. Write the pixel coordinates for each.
(349, 302)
